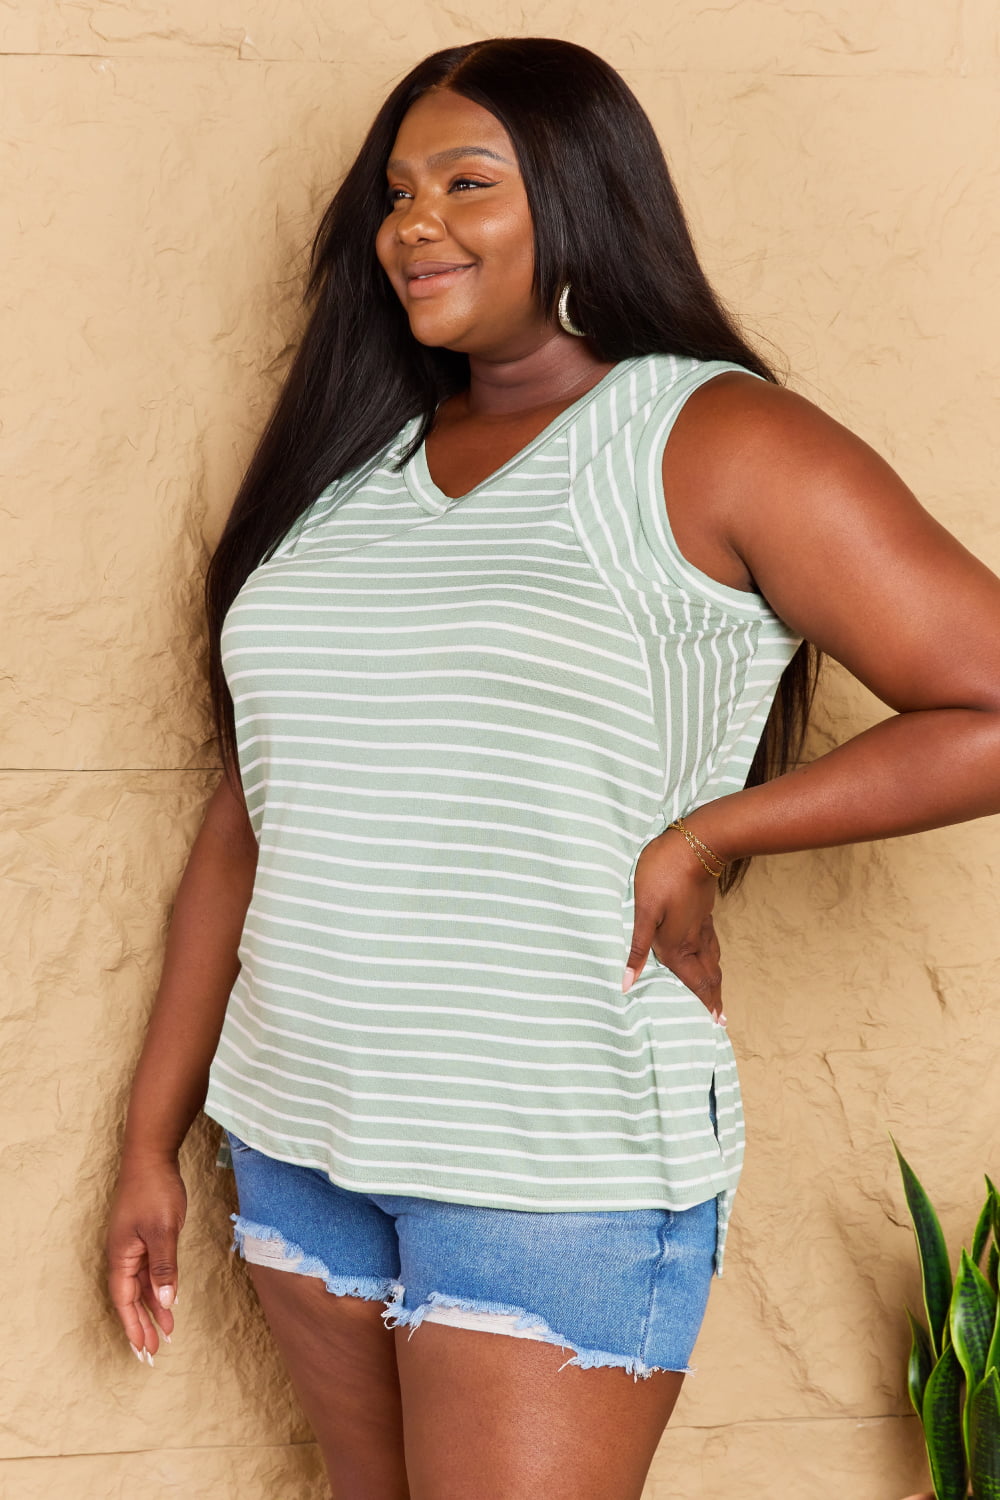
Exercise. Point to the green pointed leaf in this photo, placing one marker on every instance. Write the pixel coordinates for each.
(942, 1419)
(993, 1267)
(935, 1269)
(972, 1318)
(984, 1225)
(921, 1363)
(984, 1438)
(993, 1353)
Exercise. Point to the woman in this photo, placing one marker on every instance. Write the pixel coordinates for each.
(524, 564)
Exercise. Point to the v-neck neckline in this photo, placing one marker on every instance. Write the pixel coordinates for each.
(417, 474)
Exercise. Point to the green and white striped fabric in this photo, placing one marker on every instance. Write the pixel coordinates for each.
(459, 722)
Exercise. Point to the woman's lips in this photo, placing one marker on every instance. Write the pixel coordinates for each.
(435, 279)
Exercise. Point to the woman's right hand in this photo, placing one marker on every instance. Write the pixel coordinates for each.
(200, 966)
(147, 1215)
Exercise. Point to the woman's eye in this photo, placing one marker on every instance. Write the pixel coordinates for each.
(460, 184)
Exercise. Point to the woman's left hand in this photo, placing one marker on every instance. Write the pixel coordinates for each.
(674, 897)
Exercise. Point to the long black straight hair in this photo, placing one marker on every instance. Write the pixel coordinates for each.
(606, 218)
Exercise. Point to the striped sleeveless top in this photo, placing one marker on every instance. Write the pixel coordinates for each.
(459, 721)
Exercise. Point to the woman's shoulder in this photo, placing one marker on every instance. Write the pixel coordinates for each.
(761, 477)
(712, 392)
(725, 444)
(735, 418)
(729, 416)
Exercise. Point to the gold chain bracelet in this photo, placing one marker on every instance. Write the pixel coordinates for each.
(700, 849)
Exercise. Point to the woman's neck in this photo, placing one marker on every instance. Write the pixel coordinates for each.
(559, 369)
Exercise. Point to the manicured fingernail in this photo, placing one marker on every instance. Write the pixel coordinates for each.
(165, 1296)
(149, 1358)
(165, 1337)
(722, 1018)
(176, 1298)
(136, 1352)
(628, 980)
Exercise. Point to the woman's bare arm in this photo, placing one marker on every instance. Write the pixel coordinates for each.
(171, 1079)
(845, 554)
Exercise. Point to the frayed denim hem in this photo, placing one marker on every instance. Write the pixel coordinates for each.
(290, 1257)
(397, 1316)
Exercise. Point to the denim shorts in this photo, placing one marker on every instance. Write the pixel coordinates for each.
(623, 1288)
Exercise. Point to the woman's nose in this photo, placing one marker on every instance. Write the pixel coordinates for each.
(416, 222)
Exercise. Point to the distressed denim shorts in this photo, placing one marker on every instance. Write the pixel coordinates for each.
(623, 1288)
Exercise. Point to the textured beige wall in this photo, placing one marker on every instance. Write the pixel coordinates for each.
(163, 166)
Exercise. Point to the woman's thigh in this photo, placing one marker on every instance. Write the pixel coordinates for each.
(495, 1418)
(342, 1365)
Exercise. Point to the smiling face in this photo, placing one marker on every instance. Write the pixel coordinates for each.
(458, 244)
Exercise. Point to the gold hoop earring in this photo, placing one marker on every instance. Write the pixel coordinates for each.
(565, 321)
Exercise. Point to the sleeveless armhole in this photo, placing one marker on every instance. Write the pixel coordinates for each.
(653, 514)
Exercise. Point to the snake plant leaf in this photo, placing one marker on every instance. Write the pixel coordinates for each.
(972, 1318)
(921, 1363)
(993, 1267)
(984, 1225)
(935, 1269)
(942, 1419)
(993, 1353)
(984, 1438)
